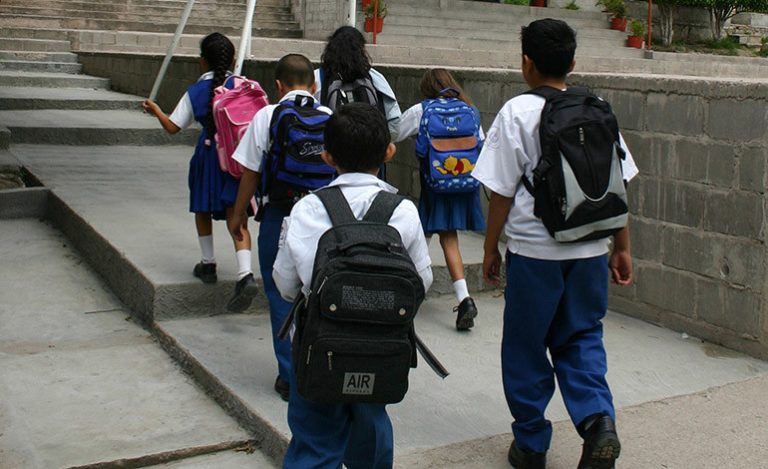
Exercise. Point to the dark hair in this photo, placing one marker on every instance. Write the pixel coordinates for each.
(357, 137)
(295, 70)
(436, 80)
(551, 44)
(345, 55)
(219, 52)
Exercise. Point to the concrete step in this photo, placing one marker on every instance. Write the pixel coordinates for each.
(70, 98)
(469, 11)
(589, 37)
(78, 127)
(41, 45)
(508, 25)
(61, 57)
(33, 33)
(37, 66)
(51, 80)
(52, 22)
(161, 16)
(152, 8)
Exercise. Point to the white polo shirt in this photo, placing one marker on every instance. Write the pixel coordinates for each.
(255, 142)
(511, 149)
(301, 231)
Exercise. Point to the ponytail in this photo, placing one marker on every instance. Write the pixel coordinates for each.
(219, 52)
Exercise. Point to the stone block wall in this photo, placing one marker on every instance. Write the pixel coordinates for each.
(699, 204)
(319, 18)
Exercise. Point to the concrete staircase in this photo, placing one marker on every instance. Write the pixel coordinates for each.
(272, 18)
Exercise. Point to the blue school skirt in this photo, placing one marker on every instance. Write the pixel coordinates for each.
(211, 190)
(448, 212)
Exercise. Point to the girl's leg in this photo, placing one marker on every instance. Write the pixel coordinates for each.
(245, 288)
(206, 269)
(449, 240)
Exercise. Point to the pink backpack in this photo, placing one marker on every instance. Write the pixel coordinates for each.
(233, 110)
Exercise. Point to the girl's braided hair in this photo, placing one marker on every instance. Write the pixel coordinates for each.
(219, 52)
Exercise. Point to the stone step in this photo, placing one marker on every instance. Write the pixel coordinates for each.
(51, 80)
(52, 22)
(78, 127)
(508, 25)
(589, 37)
(37, 66)
(152, 8)
(149, 15)
(33, 33)
(40, 45)
(34, 56)
(70, 98)
(469, 11)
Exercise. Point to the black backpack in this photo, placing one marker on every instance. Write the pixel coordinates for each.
(335, 92)
(578, 184)
(354, 340)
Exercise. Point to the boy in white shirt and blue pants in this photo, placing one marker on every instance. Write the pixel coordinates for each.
(357, 143)
(556, 294)
(294, 78)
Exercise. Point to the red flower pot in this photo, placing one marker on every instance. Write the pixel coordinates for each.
(635, 41)
(366, 3)
(369, 25)
(619, 24)
(539, 3)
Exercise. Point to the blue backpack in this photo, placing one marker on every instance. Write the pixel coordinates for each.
(293, 167)
(448, 145)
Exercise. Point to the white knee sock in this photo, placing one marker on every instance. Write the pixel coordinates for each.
(243, 263)
(460, 287)
(206, 247)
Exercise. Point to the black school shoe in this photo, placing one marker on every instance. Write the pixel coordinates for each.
(283, 388)
(465, 320)
(205, 272)
(520, 459)
(245, 290)
(601, 445)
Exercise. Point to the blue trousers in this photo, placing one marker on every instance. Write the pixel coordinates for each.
(269, 238)
(556, 306)
(326, 435)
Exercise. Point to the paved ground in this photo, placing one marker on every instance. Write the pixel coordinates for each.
(80, 383)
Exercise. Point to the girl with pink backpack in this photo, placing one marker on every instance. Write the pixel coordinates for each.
(212, 191)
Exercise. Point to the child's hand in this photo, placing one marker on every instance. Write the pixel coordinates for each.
(151, 107)
(492, 267)
(236, 224)
(620, 264)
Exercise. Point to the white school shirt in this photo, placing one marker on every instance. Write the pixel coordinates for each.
(512, 149)
(391, 106)
(255, 142)
(183, 115)
(411, 120)
(301, 231)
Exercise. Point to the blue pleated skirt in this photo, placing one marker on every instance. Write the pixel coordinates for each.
(211, 190)
(448, 212)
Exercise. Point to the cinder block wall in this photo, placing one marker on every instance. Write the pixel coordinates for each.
(699, 205)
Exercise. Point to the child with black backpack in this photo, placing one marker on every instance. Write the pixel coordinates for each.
(280, 152)
(212, 191)
(448, 141)
(557, 166)
(336, 410)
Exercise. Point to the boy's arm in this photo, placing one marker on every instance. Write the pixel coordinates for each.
(498, 210)
(284, 271)
(152, 108)
(620, 261)
(249, 182)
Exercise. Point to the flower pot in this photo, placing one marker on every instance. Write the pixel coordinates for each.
(369, 25)
(635, 41)
(366, 3)
(619, 24)
(539, 3)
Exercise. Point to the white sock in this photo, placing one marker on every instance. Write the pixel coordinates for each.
(243, 263)
(460, 287)
(206, 247)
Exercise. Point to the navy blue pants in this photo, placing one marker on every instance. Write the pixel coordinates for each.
(556, 306)
(326, 435)
(269, 238)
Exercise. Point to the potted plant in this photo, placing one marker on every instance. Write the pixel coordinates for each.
(618, 11)
(366, 3)
(380, 15)
(638, 31)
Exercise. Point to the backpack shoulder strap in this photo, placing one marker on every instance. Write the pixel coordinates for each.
(336, 205)
(323, 87)
(544, 91)
(383, 207)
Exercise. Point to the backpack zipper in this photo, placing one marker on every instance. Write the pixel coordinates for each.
(582, 142)
(309, 353)
(330, 360)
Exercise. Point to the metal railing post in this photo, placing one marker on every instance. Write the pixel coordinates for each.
(352, 20)
(245, 38)
(171, 48)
